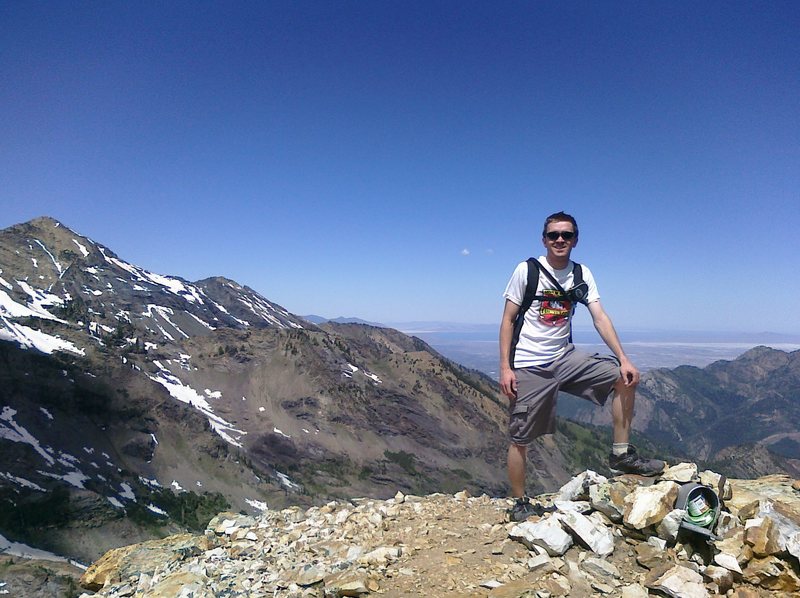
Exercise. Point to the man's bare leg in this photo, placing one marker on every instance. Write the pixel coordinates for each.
(622, 411)
(517, 459)
(624, 458)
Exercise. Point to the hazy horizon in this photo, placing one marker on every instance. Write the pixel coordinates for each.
(647, 349)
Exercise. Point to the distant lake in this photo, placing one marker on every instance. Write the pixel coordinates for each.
(648, 349)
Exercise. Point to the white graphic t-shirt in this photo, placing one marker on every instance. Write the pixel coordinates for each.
(545, 331)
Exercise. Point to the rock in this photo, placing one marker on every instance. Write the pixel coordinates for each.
(578, 487)
(634, 591)
(594, 535)
(600, 568)
(763, 536)
(578, 582)
(773, 574)
(649, 505)
(609, 497)
(712, 480)
(309, 575)
(649, 556)
(721, 576)
(546, 533)
(793, 545)
(565, 506)
(670, 525)
(727, 561)
(678, 582)
(381, 556)
(541, 563)
(122, 563)
(681, 473)
(726, 522)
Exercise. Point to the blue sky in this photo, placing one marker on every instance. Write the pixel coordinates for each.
(395, 160)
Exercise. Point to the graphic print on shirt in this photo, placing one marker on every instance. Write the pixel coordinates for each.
(554, 312)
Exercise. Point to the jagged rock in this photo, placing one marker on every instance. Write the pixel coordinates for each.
(381, 556)
(228, 523)
(600, 568)
(121, 563)
(546, 533)
(580, 506)
(721, 576)
(772, 573)
(649, 505)
(541, 563)
(347, 584)
(309, 575)
(773, 529)
(793, 545)
(578, 487)
(681, 473)
(609, 497)
(594, 535)
(728, 561)
(712, 480)
(180, 583)
(670, 525)
(726, 522)
(557, 586)
(657, 542)
(763, 535)
(649, 556)
(678, 582)
(634, 591)
(578, 582)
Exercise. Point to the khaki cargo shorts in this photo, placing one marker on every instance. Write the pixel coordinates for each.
(590, 377)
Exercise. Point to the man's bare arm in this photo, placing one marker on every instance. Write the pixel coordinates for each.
(508, 380)
(605, 328)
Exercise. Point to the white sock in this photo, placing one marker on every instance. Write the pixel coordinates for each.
(619, 448)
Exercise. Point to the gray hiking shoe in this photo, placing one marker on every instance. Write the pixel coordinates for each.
(523, 508)
(631, 462)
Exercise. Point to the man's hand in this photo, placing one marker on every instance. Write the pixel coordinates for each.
(508, 383)
(629, 373)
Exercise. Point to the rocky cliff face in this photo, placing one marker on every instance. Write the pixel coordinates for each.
(620, 537)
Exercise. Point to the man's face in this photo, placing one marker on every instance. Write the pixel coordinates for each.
(559, 248)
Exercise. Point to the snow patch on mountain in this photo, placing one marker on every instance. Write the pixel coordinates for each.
(11, 430)
(187, 394)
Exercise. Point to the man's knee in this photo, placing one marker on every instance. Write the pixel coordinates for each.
(625, 389)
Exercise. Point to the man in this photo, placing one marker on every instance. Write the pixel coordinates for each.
(545, 361)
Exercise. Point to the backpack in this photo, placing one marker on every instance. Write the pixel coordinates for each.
(576, 293)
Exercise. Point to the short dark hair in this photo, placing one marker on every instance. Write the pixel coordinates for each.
(560, 217)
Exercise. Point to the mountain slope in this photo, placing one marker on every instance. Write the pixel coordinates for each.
(707, 413)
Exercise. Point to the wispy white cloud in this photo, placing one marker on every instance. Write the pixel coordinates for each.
(465, 251)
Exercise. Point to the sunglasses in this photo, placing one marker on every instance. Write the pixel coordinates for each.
(567, 235)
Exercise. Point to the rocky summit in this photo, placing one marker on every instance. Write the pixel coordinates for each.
(620, 537)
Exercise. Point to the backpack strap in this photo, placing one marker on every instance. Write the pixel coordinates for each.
(527, 300)
(531, 287)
